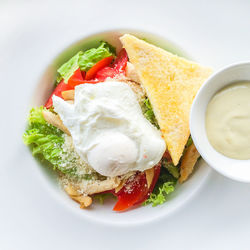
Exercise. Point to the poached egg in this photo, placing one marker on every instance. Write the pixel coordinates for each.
(109, 130)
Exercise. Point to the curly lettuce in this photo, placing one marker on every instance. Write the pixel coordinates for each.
(164, 186)
(85, 60)
(161, 196)
(46, 141)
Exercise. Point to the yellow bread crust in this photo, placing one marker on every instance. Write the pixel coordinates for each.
(171, 83)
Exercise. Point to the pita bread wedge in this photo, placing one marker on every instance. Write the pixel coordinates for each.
(171, 83)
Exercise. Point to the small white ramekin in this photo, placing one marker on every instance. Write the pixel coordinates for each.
(235, 169)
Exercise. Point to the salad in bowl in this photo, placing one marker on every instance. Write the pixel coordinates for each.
(117, 123)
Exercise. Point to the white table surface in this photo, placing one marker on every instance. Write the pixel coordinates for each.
(215, 33)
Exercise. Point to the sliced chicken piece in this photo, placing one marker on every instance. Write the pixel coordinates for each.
(149, 176)
(96, 187)
(71, 190)
(131, 73)
(188, 162)
(54, 120)
(84, 201)
(68, 95)
(138, 90)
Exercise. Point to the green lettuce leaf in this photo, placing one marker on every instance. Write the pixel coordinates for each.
(85, 60)
(94, 55)
(189, 142)
(172, 169)
(68, 68)
(149, 113)
(46, 141)
(46, 144)
(164, 186)
(36, 116)
(161, 196)
(102, 197)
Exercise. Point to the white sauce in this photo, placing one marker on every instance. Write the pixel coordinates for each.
(108, 129)
(228, 121)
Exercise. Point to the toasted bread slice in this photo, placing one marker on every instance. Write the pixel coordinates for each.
(171, 83)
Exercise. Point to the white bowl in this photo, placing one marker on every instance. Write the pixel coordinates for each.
(104, 213)
(235, 169)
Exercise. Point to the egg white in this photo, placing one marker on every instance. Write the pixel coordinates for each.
(109, 130)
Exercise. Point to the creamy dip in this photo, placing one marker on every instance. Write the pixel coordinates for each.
(228, 121)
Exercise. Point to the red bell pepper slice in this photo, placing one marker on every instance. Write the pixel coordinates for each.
(62, 86)
(157, 170)
(117, 68)
(83, 74)
(98, 66)
(131, 192)
(135, 191)
(76, 78)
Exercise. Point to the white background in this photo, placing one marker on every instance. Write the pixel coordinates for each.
(215, 33)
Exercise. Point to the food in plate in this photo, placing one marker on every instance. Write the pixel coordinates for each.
(119, 123)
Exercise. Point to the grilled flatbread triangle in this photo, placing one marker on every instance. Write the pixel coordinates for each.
(171, 83)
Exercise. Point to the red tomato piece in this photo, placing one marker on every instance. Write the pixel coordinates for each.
(98, 66)
(106, 72)
(121, 61)
(131, 192)
(62, 86)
